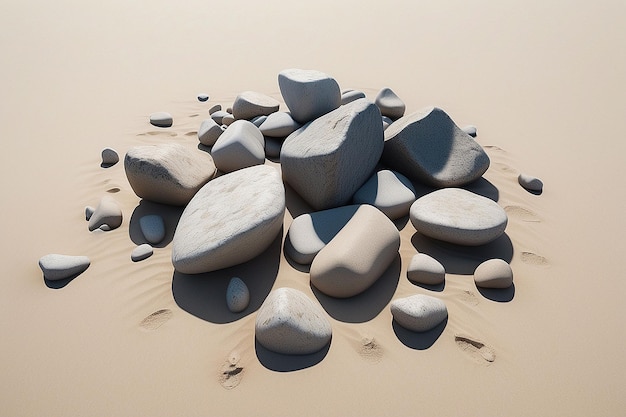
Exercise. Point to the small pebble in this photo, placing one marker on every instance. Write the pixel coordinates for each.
(141, 252)
(161, 119)
(109, 157)
(470, 130)
(203, 97)
(215, 108)
(530, 183)
(237, 295)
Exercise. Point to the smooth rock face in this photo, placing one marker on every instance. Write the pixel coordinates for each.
(530, 183)
(470, 130)
(240, 146)
(215, 108)
(218, 116)
(250, 104)
(107, 213)
(458, 216)
(258, 121)
(161, 119)
(153, 228)
(389, 191)
(357, 256)
(209, 132)
(351, 95)
(290, 323)
(141, 252)
(308, 94)
(419, 313)
(109, 157)
(279, 125)
(390, 104)
(428, 147)
(167, 173)
(386, 122)
(203, 97)
(237, 295)
(55, 267)
(231, 220)
(425, 269)
(310, 232)
(494, 273)
(328, 160)
(228, 120)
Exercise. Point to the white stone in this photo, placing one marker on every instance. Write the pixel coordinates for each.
(493, 273)
(240, 146)
(209, 132)
(424, 269)
(237, 295)
(428, 147)
(141, 252)
(168, 173)
(390, 104)
(308, 94)
(290, 323)
(458, 216)
(470, 130)
(218, 116)
(161, 119)
(328, 160)
(55, 267)
(110, 157)
(231, 220)
(419, 313)
(349, 96)
(279, 125)
(250, 104)
(107, 213)
(389, 191)
(203, 97)
(153, 228)
(530, 183)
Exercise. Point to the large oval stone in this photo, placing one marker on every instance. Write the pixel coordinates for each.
(309, 94)
(290, 323)
(231, 220)
(240, 146)
(458, 216)
(419, 313)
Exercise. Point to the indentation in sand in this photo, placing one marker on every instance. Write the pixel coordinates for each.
(469, 297)
(476, 349)
(158, 133)
(192, 133)
(534, 259)
(493, 148)
(113, 190)
(231, 372)
(156, 319)
(370, 350)
(503, 167)
(522, 213)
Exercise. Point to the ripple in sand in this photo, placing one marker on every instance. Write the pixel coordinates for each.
(476, 349)
(156, 319)
(158, 133)
(522, 213)
(231, 372)
(534, 259)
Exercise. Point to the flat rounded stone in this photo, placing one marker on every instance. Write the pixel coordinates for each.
(107, 213)
(357, 256)
(218, 116)
(168, 173)
(308, 94)
(493, 273)
(310, 232)
(240, 146)
(237, 295)
(110, 157)
(290, 323)
(250, 104)
(258, 121)
(153, 228)
(470, 130)
(349, 96)
(231, 220)
(458, 216)
(530, 183)
(428, 146)
(203, 97)
(279, 125)
(215, 108)
(55, 266)
(424, 269)
(161, 119)
(389, 191)
(141, 252)
(419, 313)
(390, 104)
(209, 132)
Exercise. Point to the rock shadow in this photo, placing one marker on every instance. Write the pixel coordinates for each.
(367, 305)
(295, 204)
(170, 214)
(204, 295)
(503, 295)
(483, 188)
(57, 284)
(419, 340)
(430, 287)
(463, 260)
(288, 363)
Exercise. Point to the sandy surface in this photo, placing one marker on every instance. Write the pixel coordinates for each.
(544, 83)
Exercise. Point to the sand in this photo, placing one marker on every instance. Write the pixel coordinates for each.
(544, 84)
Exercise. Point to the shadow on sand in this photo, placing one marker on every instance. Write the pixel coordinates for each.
(170, 214)
(421, 340)
(499, 295)
(288, 363)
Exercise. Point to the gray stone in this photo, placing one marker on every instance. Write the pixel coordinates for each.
(428, 147)
(209, 132)
(458, 216)
(228, 120)
(493, 273)
(153, 228)
(389, 191)
(215, 108)
(250, 104)
(231, 220)
(240, 146)
(530, 183)
(203, 97)
(386, 122)
(109, 157)
(258, 121)
(390, 104)
(107, 213)
(419, 313)
(424, 269)
(308, 94)
(279, 125)
(470, 130)
(161, 119)
(272, 147)
(349, 96)
(55, 267)
(290, 323)
(218, 116)
(237, 295)
(141, 252)
(357, 256)
(168, 173)
(89, 212)
(327, 160)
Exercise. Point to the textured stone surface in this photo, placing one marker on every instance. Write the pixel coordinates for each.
(326, 161)
(290, 323)
(424, 269)
(389, 191)
(107, 213)
(161, 119)
(493, 273)
(55, 267)
(110, 157)
(218, 116)
(386, 122)
(250, 104)
(357, 256)
(419, 313)
(272, 147)
(240, 146)
(458, 216)
(237, 295)
(530, 183)
(167, 173)
(428, 147)
(231, 220)
(209, 131)
(279, 125)
(141, 252)
(153, 228)
(349, 96)
(390, 104)
(308, 94)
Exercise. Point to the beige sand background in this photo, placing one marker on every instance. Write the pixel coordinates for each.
(544, 83)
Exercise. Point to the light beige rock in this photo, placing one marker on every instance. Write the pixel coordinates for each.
(141, 252)
(240, 146)
(279, 125)
(56, 267)
(250, 104)
(209, 132)
(349, 96)
(107, 213)
(389, 191)
(424, 269)
(228, 120)
(493, 273)
(308, 94)
(390, 104)
(419, 313)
